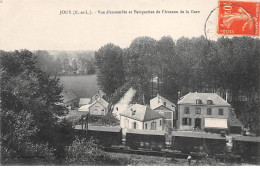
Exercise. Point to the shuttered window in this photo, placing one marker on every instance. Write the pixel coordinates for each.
(186, 121)
(153, 126)
(209, 111)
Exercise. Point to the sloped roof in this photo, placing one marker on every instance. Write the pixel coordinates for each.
(247, 138)
(101, 101)
(161, 101)
(197, 135)
(146, 132)
(87, 106)
(141, 113)
(84, 108)
(233, 120)
(97, 95)
(99, 128)
(68, 96)
(84, 101)
(191, 99)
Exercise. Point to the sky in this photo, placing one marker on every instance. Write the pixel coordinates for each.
(38, 25)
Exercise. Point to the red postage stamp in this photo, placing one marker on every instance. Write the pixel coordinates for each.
(238, 18)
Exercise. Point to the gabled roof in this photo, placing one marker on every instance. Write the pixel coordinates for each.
(141, 113)
(101, 101)
(97, 95)
(84, 101)
(68, 96)
(192, 97)
(160, 102)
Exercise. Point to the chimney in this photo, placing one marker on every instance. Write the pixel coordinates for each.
(133, 112)
(226, 96)
(179, 95)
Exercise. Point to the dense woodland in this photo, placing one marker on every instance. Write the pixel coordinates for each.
(175, 68)
(32, 130)
(65, 62)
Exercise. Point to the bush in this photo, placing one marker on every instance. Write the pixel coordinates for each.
(83, 152)
(20, 141)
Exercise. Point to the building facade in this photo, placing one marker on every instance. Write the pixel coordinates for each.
(203, 111)
(165, 108)
(141, 117)
(99, 107)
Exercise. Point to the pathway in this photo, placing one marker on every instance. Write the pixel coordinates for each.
(124, 102)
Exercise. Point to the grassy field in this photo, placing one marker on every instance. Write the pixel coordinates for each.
(81, 85)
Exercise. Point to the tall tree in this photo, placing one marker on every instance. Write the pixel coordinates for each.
(140, 60)
(27, 90)
(109, 62)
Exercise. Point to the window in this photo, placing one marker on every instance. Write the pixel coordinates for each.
(209, 101)
(197, 110)
(198, 101)
(134, 125)
(187, 110)
(145, 125)
(164, 103)
(153, 126)
(186, 121)
(209, 111)
(220, 112)
(160, 122)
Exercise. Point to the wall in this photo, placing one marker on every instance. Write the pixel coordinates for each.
(98, 107)
(167, 121)
(158, 127)
(203, 114)
(140, 125)
(131, 121)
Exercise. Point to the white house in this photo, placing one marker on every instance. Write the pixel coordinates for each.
(165, 108)
(141, 117)
(205, 111)
(98, 107)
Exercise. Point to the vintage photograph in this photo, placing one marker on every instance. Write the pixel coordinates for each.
(129, 83)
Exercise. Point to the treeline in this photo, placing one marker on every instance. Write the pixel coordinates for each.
(168, 67)
(65, 63)
(32, 130)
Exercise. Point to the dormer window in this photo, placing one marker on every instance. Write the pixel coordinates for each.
(198, 101)
(133, 112)
(164, 103)
(209, 101)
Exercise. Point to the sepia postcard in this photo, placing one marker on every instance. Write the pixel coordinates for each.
(129, 83)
